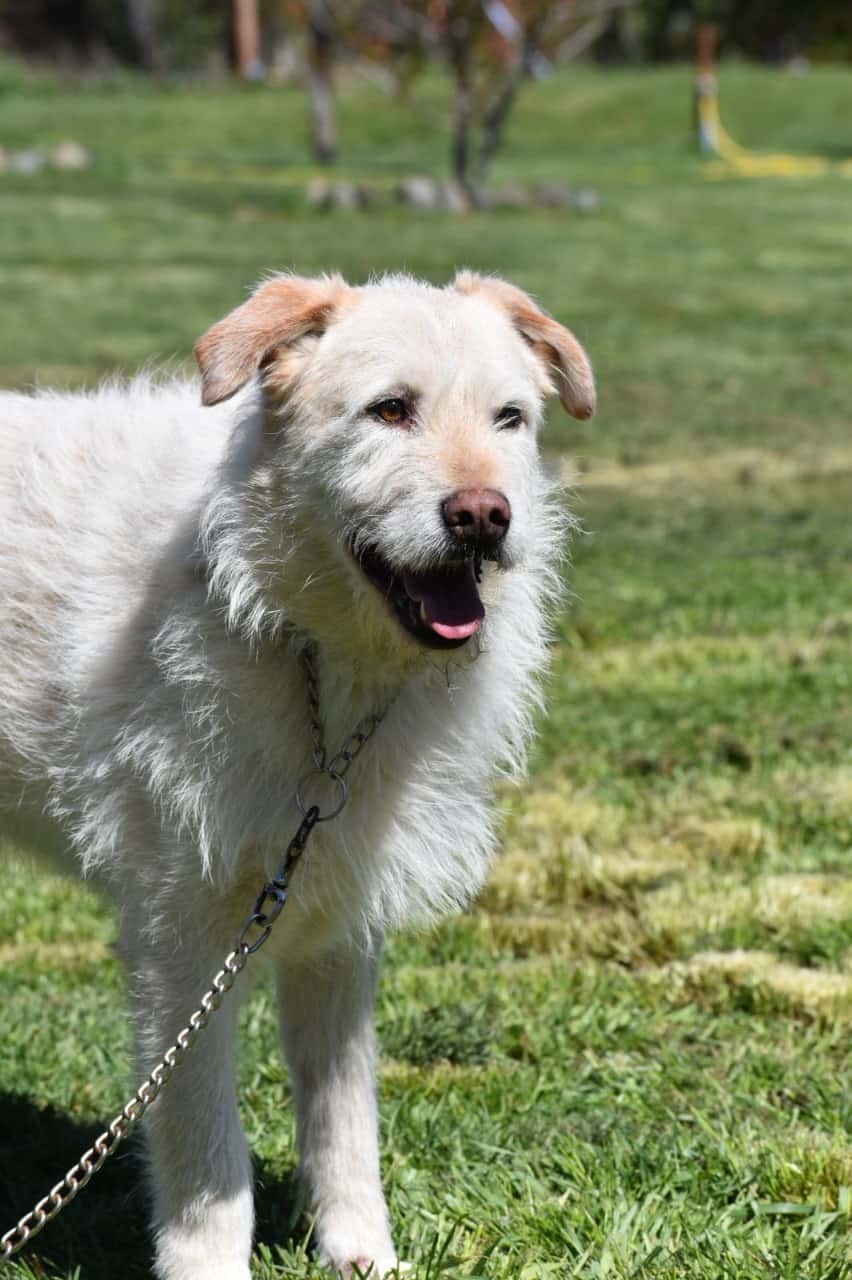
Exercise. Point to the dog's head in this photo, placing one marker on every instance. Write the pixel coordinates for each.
(400, 443)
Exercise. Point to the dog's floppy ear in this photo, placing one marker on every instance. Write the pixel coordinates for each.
(278, 313)
(556, 346)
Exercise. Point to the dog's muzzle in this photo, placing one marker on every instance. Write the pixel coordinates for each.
(439, 607)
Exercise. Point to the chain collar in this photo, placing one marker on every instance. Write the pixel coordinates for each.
(338, 766)
(272, 898)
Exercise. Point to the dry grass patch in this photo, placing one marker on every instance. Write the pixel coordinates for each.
(745, 468)
(562, 847)
(829, 788)
(815, 992)
(435, 1075)
(803, 899)
(45, 956)
(574, 873)
(724, 840)
(809, 1163)
(633, 928)
(614, 934)
(580, 876)
(665, 661)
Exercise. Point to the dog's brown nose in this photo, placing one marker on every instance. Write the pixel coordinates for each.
(477, 518)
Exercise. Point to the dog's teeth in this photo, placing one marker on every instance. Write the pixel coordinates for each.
(423, 617)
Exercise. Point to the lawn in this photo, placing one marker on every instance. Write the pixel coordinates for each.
(631, 1058)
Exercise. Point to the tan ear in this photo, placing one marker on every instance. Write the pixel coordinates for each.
(556, 346)
(276, 315)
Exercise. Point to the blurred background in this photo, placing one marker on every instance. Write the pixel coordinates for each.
(630, 1058)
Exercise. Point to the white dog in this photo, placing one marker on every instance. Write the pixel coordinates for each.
(368, 483)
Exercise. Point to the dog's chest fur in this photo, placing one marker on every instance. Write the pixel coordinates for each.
(222, 753)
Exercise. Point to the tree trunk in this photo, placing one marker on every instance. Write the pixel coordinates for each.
(497, 113)
(494, 123)
(462, 125)
(247, 39)
(320, 80)
(142, 19)
(459, 37)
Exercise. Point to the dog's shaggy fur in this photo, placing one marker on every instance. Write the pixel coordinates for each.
(162, 562)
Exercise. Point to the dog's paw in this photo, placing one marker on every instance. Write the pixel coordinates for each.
(353, 1239)
(361, 1262)
(363, 1268)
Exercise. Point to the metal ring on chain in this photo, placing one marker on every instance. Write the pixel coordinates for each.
(343, 794)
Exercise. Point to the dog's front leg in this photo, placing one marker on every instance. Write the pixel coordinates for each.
(327, 1029)
(199, 1159)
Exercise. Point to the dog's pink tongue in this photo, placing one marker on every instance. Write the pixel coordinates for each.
(450, 600)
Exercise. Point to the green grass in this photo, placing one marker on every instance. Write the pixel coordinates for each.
(631, 1060)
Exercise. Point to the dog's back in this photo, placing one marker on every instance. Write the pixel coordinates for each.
(93, 489)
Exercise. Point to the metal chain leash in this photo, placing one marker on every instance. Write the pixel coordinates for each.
(103, 1147)
(267, 907)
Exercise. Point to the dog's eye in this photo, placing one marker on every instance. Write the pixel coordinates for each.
(394, 411)
(510, 416)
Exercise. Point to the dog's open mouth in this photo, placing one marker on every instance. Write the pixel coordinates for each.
(440, 607)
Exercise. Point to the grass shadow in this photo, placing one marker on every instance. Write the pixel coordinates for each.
(104, 1233)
